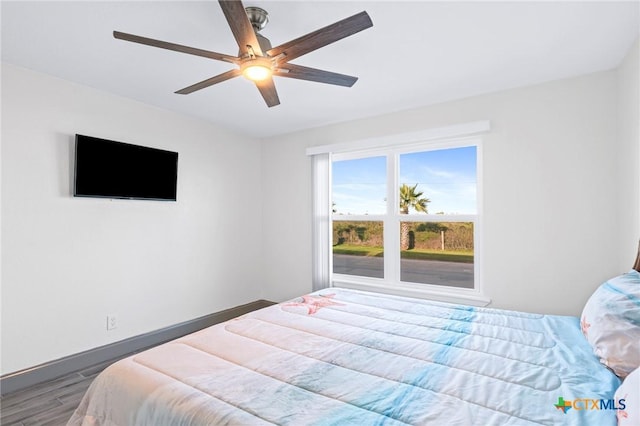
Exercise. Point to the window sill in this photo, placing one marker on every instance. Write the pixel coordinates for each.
(464, 297)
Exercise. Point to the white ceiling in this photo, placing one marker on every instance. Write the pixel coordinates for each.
(416, 54)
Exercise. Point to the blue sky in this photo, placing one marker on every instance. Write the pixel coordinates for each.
(447, 177)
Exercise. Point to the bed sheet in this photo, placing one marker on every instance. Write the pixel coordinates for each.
(339, 357)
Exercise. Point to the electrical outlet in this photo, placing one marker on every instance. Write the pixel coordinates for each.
(112, 322)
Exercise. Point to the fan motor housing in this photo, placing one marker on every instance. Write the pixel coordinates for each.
(264, 42)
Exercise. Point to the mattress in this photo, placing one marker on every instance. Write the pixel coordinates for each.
(339, 357)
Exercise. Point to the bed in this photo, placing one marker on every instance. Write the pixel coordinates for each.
(340, 357)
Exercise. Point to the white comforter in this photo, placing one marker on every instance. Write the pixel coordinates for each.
(339, 357)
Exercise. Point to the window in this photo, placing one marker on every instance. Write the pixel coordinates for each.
(403, 218)
(359, 188)
(440, 182)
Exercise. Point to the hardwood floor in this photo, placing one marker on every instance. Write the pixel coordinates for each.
(51, 403)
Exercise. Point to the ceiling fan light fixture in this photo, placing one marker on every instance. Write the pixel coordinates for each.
(257, 69)
(256, 72)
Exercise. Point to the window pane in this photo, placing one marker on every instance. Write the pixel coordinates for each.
(359, 186)
(438, 253)
(358, 248)
(438, 182)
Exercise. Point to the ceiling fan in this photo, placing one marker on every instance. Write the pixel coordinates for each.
(256, 59)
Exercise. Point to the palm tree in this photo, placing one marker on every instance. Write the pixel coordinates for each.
(410, 199)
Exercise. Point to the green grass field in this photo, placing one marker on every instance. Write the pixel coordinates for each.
(445, 256)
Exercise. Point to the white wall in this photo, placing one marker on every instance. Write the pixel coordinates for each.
(551, 191)
(68, 262)
(628, 110)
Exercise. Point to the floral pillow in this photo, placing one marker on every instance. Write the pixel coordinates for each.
(611, 323)
(628, 396)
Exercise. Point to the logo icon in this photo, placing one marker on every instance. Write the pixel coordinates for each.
(563, 405)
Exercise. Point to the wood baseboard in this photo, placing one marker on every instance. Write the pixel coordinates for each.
(51, 370)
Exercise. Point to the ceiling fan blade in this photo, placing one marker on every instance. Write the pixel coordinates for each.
(314, 74)
(240, 26)
(210, 82)
(268, 91)
(322, 37)
(175, 47)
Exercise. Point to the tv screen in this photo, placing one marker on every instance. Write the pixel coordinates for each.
(109, 169)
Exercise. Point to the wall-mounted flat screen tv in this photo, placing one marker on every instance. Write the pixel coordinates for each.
(110, 169)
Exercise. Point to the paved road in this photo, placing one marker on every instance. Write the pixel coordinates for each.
(412, 270)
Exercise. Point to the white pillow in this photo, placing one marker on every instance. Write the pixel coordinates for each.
(629, 394)
(611, 323)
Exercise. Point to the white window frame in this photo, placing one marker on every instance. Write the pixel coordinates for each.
(392, 147)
